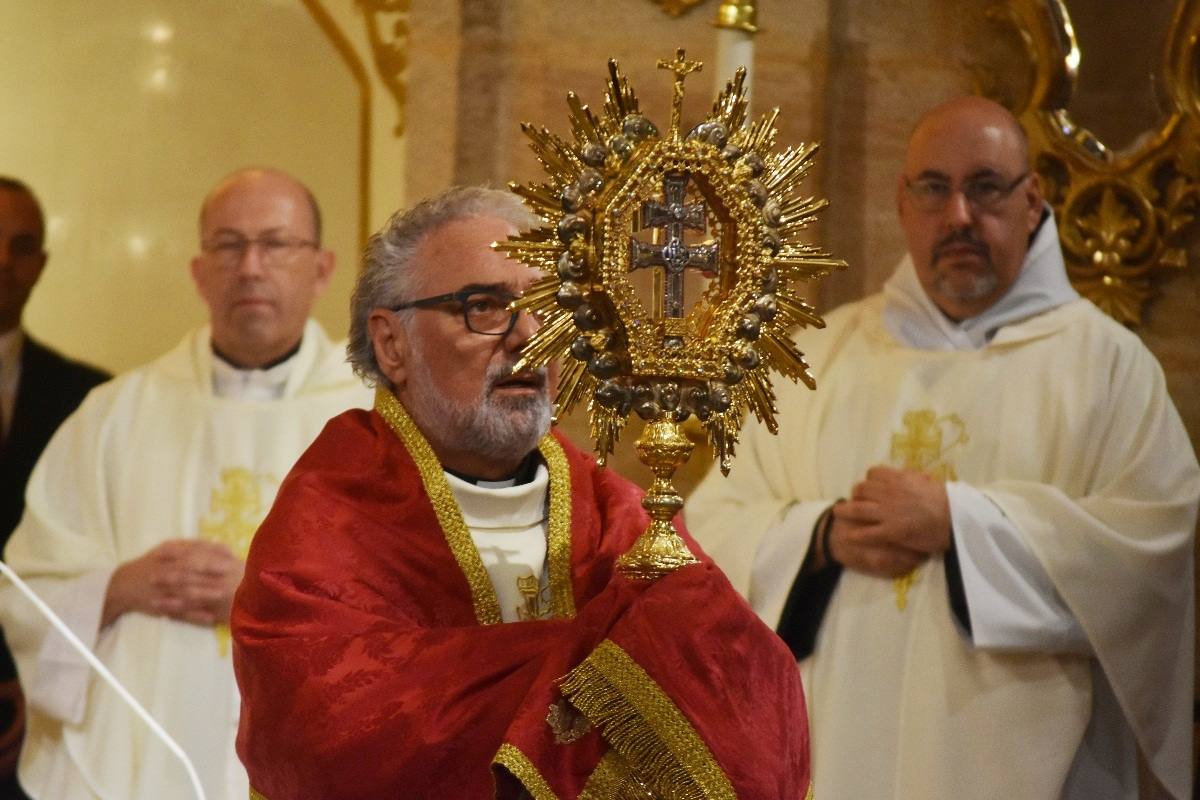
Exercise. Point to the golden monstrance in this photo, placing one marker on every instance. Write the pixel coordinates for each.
(628, 212)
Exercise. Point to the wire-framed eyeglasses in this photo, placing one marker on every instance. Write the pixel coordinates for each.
(983, 193)
(485, 311)
(273, 250)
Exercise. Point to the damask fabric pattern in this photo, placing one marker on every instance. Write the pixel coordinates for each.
(1064, 423)
(366, 670)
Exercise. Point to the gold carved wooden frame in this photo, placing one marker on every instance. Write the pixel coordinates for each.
(675, 8)
(354, 64)
(1124, 218)
(387, 30)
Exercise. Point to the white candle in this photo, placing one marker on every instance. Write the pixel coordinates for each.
(736, 25)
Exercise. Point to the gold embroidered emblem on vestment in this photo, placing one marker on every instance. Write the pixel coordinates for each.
(535, 598)
(566, 723)
(923, 446)
(236, 509)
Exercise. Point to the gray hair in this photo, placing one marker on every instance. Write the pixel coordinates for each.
(387, 276)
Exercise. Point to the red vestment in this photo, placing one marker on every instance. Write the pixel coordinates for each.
(371, 664)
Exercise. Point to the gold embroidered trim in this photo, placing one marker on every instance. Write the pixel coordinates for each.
(641, 723)
(483, 594)
(523, 770)
(256, 795)
(558, 539)
(809, 795)
(454, 528)
(612, 780)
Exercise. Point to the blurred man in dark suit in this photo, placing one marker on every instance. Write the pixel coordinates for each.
(38, 390)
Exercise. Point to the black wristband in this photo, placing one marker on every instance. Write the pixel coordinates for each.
(824, 528)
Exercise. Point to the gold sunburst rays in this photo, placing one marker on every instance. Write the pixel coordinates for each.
(540, 297)
(756, 392)
(760, 135)
(730, 106)
(555, 155)
(544, 202)
(795, 313)
(620, 100)
(799, 265)
(628, 213)
(569, 376)
(584, 124)
(790, 167)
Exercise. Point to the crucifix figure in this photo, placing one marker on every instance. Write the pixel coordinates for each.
(681, 67)
(675, 215)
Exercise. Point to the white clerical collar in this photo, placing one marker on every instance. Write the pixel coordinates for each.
(516, 507)
(235, 383)
(913, 319)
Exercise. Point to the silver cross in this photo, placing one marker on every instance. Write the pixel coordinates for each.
(674, 256)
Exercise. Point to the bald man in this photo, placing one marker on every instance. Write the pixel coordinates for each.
(141, 510)
(977, 534)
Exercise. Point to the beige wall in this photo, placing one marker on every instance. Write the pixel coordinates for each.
(122, 121)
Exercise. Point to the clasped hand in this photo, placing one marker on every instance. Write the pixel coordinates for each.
(894, 520)
(185, 579)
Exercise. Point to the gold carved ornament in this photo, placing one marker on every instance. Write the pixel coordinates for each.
(1123, 218)
(625, 205)
(736, 14)
(388, 31)
(742, 16)
(676, 8)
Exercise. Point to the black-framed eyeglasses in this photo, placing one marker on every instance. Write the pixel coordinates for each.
(485, 311)
(983, 193)
(275, 251)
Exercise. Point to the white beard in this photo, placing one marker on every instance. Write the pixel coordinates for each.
(504, 429)
(978, 287)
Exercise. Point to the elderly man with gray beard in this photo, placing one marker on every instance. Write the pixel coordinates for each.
(431, 608)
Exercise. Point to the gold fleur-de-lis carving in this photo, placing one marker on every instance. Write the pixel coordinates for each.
(1124, 217)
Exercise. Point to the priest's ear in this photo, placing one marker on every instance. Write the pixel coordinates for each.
(389, 338)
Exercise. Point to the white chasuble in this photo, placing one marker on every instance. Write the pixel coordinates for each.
(150, 456)
(1062, 425)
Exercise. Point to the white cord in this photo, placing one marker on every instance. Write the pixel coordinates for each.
(109, 678)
